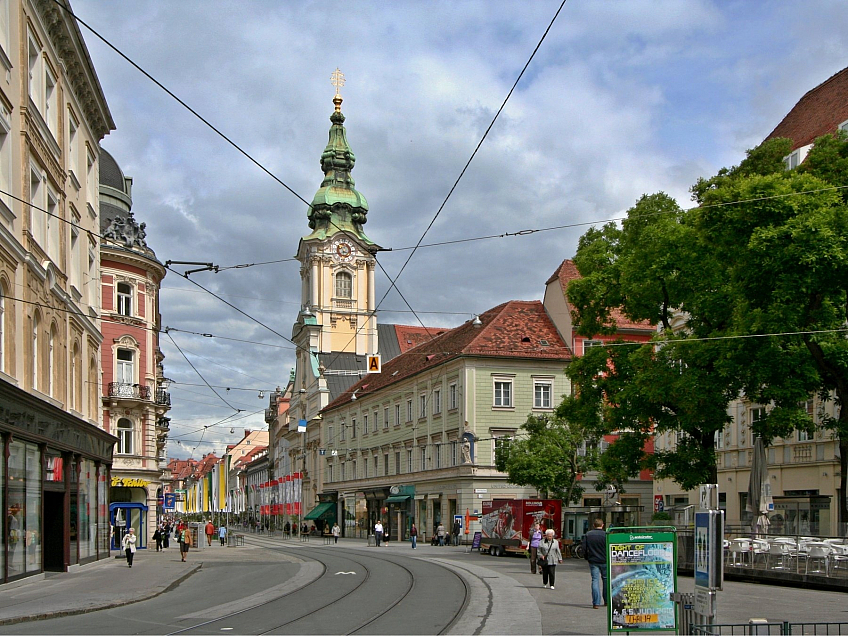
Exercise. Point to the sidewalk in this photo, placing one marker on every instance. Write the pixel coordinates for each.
(92, 587)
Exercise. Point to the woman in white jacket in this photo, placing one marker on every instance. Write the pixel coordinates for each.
(549, 556)
(128, 543)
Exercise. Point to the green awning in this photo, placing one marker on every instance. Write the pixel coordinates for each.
(397, 498)
(320, 510)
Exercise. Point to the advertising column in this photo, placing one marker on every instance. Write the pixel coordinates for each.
(642, 576)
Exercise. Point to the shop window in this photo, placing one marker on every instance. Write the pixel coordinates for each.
(23, 509)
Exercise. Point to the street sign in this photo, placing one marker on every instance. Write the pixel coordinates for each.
(708, 496)
(709, 535)
(659, 505)
(642, 577)
(374, 365)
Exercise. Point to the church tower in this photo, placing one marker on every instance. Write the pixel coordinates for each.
(337, 260)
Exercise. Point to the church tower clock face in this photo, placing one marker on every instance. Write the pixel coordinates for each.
(343, 250)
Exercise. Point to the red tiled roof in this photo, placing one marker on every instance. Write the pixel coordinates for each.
(567, 271)
(409, 336)
(514, 329)
(817, 113)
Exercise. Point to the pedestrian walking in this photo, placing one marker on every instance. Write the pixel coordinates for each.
(535, 540)
(184, 538)
(128, 543)
(222, 534)
(440, 532)
(378, 532)
(210, 531)
(595, 552)
(549, 556)
(455, 532)
(336, 533)
(287, 529)
(157, 537)
(166, 536)
(413, 536)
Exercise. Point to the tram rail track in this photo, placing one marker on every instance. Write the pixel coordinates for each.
(389, 606)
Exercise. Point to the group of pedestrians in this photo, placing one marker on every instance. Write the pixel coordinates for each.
(162, 536)
(546, 554)
(210, 532)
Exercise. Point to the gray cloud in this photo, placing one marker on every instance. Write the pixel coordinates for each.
(624, 98)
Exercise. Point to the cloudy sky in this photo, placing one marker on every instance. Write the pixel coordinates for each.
(623, 98)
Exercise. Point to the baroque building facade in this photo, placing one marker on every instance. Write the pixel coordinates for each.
(135, 392)
(56, 459)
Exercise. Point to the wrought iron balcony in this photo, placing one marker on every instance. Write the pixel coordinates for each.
(164, 423)
(163, 397)
(270, 414)
(129, 391)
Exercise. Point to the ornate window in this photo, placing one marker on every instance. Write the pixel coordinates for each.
(125, 368)
(344, 285)
(35, 352)
(124, 433)
(125, 299)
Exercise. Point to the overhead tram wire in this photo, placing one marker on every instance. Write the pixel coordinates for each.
(200, 375)
(393, 281)
(180, 101)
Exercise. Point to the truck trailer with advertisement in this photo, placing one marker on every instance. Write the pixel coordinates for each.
(508, 523)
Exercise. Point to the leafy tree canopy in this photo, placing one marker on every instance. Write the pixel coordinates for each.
(550, 457)
(764, 252)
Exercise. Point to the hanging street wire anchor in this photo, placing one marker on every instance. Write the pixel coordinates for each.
(207, 267)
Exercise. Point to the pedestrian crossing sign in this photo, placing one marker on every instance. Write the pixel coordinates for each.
(374, 365)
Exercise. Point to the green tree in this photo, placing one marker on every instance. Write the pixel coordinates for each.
(551, 456)
(764, 252)
(787, 253)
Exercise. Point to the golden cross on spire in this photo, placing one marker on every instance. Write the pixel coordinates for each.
(337, 79)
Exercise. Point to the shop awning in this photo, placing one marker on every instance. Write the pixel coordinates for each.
(397, 498)
(319, 510)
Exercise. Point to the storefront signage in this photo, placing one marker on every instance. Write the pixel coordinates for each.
(642, 577)
(129, 482)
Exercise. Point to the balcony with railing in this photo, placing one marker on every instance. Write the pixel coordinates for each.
(163, 397)
(129, 391)
(270, 414)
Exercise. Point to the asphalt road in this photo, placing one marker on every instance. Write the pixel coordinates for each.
(282, 590)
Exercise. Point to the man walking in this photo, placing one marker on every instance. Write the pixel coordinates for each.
(595, 550)
(210, 530)
(378, 532)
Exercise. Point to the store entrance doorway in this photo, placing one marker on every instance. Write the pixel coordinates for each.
(54, 532)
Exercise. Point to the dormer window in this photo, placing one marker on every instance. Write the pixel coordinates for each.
(796, 157)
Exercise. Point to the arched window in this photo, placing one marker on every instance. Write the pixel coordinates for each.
(125, 299)
(124, 433)
(35, 352)
(51, 363)
(76, 384)
(2, 328)
(344, 285)
(91, 390)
